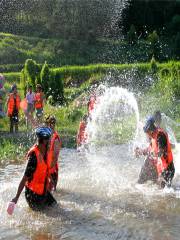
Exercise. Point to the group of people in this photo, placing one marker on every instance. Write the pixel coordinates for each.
(158, 165)
(32, 102)
(82, 135)
(41, 174)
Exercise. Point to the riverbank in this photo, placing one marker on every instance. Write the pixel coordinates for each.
(14, 146)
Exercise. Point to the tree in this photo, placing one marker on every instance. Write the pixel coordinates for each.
(131, 35)
(153, 40)
(56, 88)
(45, 78)
(31, 71)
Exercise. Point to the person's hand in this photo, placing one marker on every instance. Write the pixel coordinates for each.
(161, 182)
(14, 200)
(137, 152)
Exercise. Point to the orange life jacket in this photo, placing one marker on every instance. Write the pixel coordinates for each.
(38, 100)
(162, 162)
(12, 104)
(50, 157)
(38, 183)
(82, 134)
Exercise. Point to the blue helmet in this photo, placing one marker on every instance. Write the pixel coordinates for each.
(43, 132)
(149, 125)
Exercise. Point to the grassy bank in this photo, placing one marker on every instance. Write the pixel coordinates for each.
(157, 82)
(15, 49)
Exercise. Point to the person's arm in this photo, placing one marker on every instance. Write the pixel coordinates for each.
(20, 188)
(28, 175)
(78, 138)
(139, 152)
(57, 146)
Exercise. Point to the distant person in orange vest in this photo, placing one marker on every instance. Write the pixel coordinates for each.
(13, 106)
(36, 174)
(82, 135)
(158, 166)
(30, 98)
(91, 103)
(39, 103)
(53, 153)
(2, 94)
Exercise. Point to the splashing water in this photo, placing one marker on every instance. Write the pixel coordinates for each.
(112, 126)
(114, 118)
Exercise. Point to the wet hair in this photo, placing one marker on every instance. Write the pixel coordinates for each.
(149, 125)
(85, 117)
(157, 116)
(13, 87)
(43, 132)
(39, 86)
(49, 119)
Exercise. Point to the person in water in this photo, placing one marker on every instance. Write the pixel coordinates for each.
(82, 136)
(91, 103)
(158, 122)
(35, 179)
(53, 153)
(158, 166)
(13, 106)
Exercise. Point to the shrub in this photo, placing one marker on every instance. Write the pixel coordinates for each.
(153, 40)
(132, 35)
(56, 88)
(31, 71)
(45, 77)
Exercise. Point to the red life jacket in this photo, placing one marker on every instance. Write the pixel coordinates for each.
(82, 134)
(38, 183)
(38, 100)
(50, 157)
(91, 104)
(162, 162)
(13, 103)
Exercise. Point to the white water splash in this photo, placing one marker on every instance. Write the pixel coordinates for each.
(114, 118)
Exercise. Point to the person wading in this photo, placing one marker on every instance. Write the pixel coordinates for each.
(35, 179)
(53, 153)
(158, 166)
(82, 135)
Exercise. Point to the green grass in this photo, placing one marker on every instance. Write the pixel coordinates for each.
(11, 149)
(79, 80)
(15, 49)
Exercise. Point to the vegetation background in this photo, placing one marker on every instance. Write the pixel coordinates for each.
(70, 47)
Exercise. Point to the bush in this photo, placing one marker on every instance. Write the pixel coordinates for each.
(169, 81)
(45, 78)
(154, 66)
(132, 35)
(56, 88)
(31, 71)
(12, 77)
(11, 68)
(153, 39)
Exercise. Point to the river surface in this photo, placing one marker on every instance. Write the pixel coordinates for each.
(98, 200)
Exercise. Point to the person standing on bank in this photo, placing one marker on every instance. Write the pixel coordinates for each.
(30, 97)
(53, 153)
(35, 179)
(39, 103)
(13, 106)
